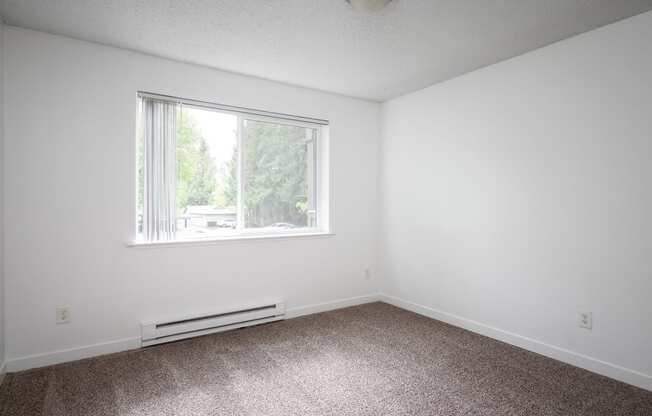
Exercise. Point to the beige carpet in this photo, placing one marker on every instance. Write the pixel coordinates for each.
(368, 360)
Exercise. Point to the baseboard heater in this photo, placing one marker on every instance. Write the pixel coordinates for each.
(192, 326)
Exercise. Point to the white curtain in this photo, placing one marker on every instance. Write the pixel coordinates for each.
(159, 124)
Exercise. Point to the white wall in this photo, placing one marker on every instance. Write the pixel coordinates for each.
(2, 229)
(520, 194)
(69, 156)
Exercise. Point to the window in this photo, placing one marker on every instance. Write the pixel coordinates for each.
(214, 171)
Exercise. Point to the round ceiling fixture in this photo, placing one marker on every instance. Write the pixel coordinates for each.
(368, 5)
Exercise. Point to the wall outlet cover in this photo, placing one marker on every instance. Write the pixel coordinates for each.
(586, 320)
(63, 314)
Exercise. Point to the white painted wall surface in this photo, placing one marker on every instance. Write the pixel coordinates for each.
(2, 229)
(521, 194)
(70, 199)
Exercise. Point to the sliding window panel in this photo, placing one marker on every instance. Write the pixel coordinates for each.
(278, 175)
(207, 173)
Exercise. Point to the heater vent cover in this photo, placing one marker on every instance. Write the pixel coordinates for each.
(191, 326)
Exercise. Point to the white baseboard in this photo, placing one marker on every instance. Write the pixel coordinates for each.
(329, 306)
(72, 354)
(595, 365)
(3, 371)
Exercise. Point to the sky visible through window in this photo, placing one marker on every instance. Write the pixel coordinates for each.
(218, 129)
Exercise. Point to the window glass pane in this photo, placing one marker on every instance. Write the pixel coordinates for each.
(206, 191)
(278, 176)
(229, 173)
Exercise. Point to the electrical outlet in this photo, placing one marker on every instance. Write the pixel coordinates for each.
(367, 274)
(586, 320)
(63, 314)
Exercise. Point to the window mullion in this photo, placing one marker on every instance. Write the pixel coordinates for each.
(316, 178)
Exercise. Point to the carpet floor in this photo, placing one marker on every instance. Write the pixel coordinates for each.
(373, 359)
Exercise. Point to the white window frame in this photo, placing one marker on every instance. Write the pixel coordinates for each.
(321, 176)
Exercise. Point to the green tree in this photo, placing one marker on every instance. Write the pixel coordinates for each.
(196, 170)
(201, 188)
(231, 179)
(275, 174)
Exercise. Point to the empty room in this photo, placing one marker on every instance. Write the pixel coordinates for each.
(325, 207)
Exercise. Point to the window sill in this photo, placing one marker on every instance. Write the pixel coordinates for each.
(220, 240)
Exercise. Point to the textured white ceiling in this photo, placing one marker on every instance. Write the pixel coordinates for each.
(325, 44)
